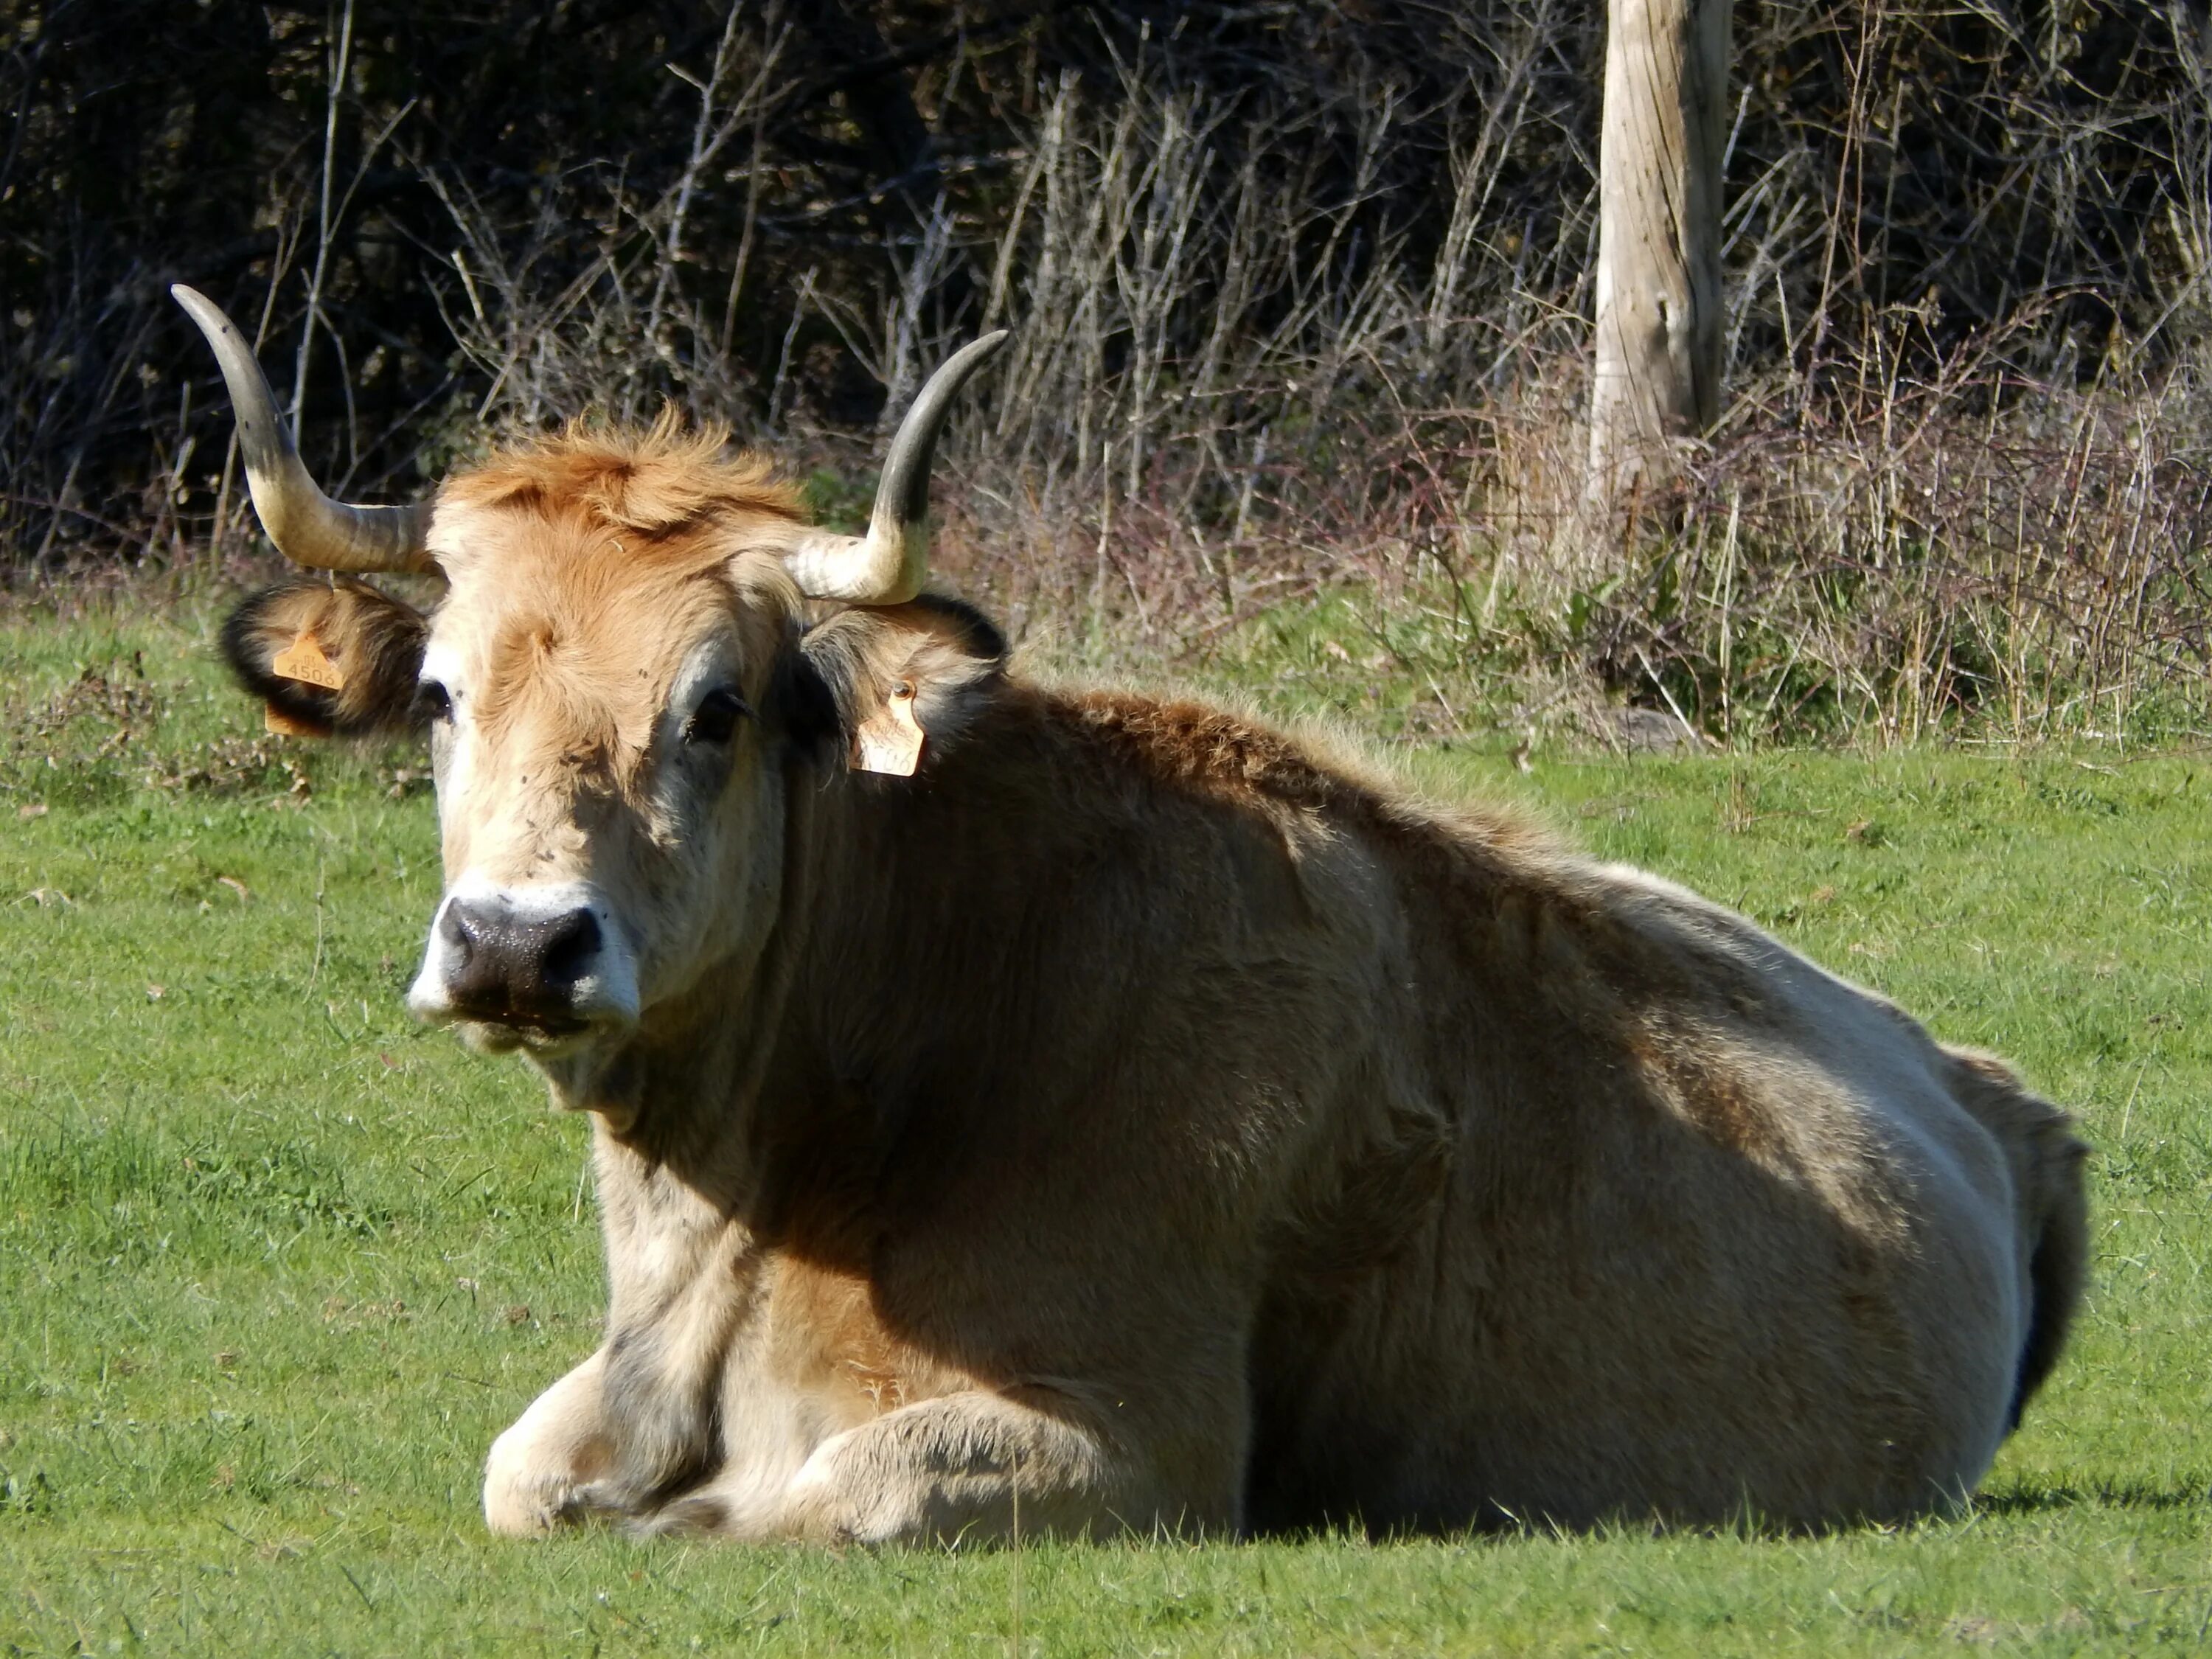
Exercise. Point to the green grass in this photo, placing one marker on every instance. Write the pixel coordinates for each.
(275, 1266)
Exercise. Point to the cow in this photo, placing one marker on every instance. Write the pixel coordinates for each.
(1020, 1109)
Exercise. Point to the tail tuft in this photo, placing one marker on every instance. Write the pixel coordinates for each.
(2054, 1206)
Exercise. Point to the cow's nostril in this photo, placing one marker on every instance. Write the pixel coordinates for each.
(571, 942)
(454, 928)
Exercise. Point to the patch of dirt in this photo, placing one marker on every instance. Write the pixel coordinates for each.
(231, 763)
(117, 694)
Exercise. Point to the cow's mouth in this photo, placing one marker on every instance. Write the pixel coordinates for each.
(544, 1034)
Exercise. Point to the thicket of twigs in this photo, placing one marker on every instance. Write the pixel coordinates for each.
(1299, 291)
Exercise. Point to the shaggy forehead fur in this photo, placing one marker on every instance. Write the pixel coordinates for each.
(656, 483)
(585, 565)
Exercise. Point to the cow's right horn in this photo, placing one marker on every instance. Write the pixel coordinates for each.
(308, 527)
(887, 565)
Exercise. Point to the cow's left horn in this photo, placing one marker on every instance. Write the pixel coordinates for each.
(308, 527)
(887, 565)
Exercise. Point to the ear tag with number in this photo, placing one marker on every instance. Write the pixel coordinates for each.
(890, 740)
(304, 661)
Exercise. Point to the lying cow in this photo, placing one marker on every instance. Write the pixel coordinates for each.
(1005, 1097)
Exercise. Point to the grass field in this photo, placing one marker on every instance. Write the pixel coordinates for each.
(275, 1266)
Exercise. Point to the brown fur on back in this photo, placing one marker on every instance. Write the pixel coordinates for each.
(1187, 743)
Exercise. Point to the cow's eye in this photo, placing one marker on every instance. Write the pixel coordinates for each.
(716, 716)
(433, 702)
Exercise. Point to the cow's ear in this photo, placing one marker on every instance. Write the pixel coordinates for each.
(905, 680)
(329, 656)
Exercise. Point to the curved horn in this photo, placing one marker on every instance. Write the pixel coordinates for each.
(886, 566)
(308, 527)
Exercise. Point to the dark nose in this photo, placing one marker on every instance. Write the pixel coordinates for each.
(507, 967)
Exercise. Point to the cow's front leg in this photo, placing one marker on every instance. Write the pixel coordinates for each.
(609, 1437)
(977, 1467)
(554, 1451)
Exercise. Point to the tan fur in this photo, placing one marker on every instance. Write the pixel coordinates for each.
(1139, 1115)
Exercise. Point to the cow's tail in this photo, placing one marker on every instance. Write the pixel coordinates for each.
(2053, 1217)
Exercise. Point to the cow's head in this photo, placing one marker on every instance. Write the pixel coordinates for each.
(621, 691)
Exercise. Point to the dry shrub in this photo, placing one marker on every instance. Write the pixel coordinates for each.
(1994, 558)
(1300, 308)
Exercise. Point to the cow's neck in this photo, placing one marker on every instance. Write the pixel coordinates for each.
(727, 1119)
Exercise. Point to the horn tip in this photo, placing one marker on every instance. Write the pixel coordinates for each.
(202, 309)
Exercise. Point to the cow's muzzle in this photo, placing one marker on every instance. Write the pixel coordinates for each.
(539, 968)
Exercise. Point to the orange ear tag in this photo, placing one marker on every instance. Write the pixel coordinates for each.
(303, 660)
(890, 740)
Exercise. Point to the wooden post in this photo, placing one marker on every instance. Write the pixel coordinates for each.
(1658, 372)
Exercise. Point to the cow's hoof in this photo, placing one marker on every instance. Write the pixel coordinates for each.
(512, 1512)
(519, 1502)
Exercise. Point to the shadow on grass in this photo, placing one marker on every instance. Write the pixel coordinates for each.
(1499, 1525)
(2121, 1495)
